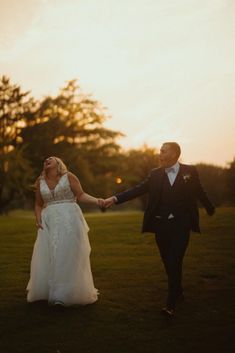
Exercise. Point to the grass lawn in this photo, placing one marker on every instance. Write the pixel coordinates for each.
(129, 274)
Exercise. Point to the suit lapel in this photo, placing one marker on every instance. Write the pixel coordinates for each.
(160, 180)
(179, 176)
(159, 176)
(179, 179)
(157, 184)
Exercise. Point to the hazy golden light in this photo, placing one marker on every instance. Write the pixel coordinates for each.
(165, 71)
(6, 166)
(59, 139)
(118, 180)
(21, 124)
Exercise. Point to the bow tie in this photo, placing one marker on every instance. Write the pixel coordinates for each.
(170, 170)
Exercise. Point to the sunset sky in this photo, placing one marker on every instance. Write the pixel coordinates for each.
(165, 69)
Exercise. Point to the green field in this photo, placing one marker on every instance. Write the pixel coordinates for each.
(129, 274)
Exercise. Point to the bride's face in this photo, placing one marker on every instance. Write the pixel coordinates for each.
(50, 163)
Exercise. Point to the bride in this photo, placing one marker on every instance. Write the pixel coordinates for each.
(60, 265)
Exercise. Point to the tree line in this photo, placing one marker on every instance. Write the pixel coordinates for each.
(71, 126)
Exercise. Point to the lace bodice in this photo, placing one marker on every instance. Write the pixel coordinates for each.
(61, 193)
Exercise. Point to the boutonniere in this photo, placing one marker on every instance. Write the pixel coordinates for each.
(186, 177)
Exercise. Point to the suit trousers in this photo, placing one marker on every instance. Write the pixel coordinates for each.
(172, 238)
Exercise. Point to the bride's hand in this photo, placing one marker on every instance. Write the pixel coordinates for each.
(101, 203)
(39, 224)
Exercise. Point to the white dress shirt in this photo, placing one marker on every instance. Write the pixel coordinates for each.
(172, 172)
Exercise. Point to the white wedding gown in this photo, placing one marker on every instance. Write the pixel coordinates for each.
(60, 266)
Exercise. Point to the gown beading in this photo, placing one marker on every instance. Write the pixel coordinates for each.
(60, 265)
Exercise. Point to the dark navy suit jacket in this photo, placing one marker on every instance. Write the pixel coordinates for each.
(190, 185)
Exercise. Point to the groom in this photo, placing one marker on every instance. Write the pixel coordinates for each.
(171, 213)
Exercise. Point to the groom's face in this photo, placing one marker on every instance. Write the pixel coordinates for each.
(167, 156)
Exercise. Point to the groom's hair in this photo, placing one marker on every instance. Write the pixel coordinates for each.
(175, 147)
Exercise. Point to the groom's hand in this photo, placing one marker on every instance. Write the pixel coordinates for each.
(110, 201)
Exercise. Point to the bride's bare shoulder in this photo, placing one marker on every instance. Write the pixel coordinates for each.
(72, 177)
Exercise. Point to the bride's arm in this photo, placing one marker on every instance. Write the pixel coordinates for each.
(38, 205)
(80, 194)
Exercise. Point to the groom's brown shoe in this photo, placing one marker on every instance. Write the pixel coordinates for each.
(168, 313)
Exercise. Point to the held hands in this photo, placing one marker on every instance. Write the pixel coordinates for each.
(104, 204)
(101, 203)
(110, 201)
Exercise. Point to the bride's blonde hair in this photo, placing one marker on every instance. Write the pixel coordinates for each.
(61, 167)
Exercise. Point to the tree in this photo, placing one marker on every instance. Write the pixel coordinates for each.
(70, 126)
(230, 181)
(15, 171)
(213, 179)
(135, 165)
